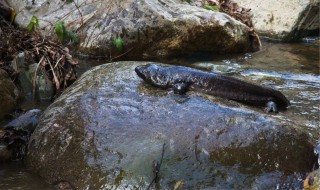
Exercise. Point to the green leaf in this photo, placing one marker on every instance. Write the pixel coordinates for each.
(98, 24)
(60, 30)
(212, 8)
(118, 42)
(69, 1)
(34, 22)
(189, 1)
(71, 36)
(64, 34)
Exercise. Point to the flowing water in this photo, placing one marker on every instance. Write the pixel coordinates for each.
(291, 68)
(16, 176)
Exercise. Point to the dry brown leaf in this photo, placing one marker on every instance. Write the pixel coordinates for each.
(178, 185)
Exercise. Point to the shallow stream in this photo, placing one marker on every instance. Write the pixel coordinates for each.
(291, 68)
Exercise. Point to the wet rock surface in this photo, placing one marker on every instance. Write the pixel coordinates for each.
(106, 130)
(27, 121)
(8, 94)
(148, 28)
(14, 136)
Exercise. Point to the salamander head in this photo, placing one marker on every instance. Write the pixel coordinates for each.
(143, 71)
(153, 74)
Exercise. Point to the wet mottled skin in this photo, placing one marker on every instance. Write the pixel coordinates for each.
(181, 79)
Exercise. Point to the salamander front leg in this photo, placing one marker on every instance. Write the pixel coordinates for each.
(180, 88)
(271, 107)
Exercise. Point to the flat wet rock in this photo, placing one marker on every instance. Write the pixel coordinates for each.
(27, 121)
(105, 131)
(14, 136)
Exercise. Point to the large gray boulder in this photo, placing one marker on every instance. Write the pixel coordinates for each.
(288, 20)
(106, 129)
(148, 28)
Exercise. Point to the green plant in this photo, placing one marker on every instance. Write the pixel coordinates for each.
(188, 1)
(34, 22)
(212, 8)
(118, 42)
(63, 33)
(97, 25)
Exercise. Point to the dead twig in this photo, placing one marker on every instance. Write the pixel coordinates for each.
(78, 8)
(156, 168)
(35, 78)
(55, 79)
(112, 58)
(57, 64)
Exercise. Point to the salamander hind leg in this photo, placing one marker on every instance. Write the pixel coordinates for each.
(271, 107)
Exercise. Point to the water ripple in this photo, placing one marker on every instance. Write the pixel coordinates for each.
(288, 76)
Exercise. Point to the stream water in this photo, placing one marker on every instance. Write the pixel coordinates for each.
(290, 68)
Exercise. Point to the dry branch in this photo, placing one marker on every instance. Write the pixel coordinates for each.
(239, 13)
(242, 14)
(47, 52)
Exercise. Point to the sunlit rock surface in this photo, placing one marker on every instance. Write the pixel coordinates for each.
(289, 20)
(148, 28)
(105, 131)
